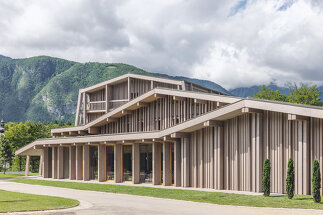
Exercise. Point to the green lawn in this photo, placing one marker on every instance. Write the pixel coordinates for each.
(277, 201)
(9, 175)
(15, 202)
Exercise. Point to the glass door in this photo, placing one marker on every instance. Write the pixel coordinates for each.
(127, 163)
(145, 163)
(93, 162)
(109, 156)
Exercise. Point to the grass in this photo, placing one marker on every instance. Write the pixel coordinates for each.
(276, 201)
(15, 174)
(17, 202)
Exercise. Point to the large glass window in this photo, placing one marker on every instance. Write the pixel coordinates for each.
(127, 162)
(145, 163)
(172, 161)
(66, 162)
(110, 162)
(50, 162)
(162, 164)
(93, 162)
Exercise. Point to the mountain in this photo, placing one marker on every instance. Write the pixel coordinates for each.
(250, 91)
(45, 88)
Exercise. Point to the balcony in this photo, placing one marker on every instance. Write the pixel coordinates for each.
(116, 103)
(100, 106)
(96, 107)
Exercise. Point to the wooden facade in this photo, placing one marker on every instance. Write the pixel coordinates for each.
(161, 131)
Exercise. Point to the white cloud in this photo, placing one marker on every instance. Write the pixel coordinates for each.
(233, 43)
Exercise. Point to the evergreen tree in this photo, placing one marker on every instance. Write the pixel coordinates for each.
(290, 179)
(316, 182)
(5, 153)
(266, 178)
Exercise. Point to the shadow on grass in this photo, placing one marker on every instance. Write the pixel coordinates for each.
(275, 196)
(27, 200)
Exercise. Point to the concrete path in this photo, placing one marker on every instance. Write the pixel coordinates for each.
(109, 203)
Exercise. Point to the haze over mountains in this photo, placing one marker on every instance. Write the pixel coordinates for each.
(45, 88)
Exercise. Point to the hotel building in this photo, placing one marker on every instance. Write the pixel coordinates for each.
(143, 129)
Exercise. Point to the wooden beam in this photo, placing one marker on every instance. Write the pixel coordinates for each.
(200, 101)
(296, 117)
(94, 130)
(179, 135)
(158, 96)
(38, 147)
(220, 104)
(126, 112)
(65, 133)
(73, 133)
(212, 123)
(142, 104)
(56, 134)
(82, 132)
(179, 98)
(251, 110)
(168, 138)
(111, 119)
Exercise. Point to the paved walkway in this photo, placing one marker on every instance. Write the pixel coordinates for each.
(109, 203)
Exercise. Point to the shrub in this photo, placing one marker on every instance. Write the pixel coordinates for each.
(266, 178)
(290, 179)
(316, 182)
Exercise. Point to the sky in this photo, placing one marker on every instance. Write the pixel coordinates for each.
(235, 43)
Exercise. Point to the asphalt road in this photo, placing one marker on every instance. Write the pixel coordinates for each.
(92, 202)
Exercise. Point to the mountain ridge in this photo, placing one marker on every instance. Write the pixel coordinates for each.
(44, 88)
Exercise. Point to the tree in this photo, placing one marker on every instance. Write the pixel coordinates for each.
(316, 181)
(290, 179)
(308, 95)
(269, 94)
(266, 178)
(21, 134)
(5, 153)
(304, 95)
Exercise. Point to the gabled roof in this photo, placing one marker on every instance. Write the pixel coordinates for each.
(148, 97)
(124, 77)
(222, 113)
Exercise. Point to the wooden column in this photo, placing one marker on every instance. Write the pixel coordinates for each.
(86, 163)
(27, 165)
(306, 158)
(72, 163)
(60, 162)
(218, 158)
(156, 163)
(79, 162)
(101, 162)
(54, 162)
(135, 163)
(41, 164)
(177, 163)
(117, 163)
(166, 164)
(46, 162)
(185, 161)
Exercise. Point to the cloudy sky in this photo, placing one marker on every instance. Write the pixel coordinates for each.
(233, 42)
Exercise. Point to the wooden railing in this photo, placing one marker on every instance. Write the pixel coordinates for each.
(116, 103)
(96, 105)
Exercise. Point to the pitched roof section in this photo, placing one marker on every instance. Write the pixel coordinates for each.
(130, 75)
(148, 97)
(226, 112)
